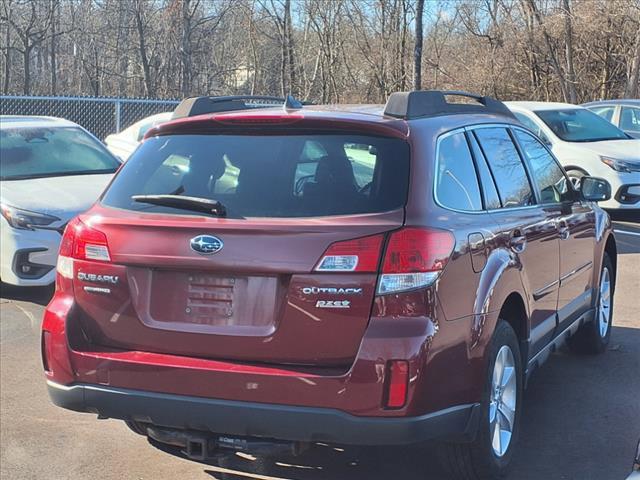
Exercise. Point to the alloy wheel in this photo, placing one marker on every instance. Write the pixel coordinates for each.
(502, 401)
(604, 303)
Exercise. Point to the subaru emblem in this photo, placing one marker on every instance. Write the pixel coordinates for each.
(206, 244)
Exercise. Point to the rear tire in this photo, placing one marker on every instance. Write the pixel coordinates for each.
(593, 337)
(489, 455)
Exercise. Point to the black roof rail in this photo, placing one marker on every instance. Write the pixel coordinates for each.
(202, 105)
(433, 103)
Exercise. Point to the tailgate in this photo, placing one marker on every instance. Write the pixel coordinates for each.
(257, 300)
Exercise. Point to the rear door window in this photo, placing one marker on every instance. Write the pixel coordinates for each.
(630, 119)
(491, 198)
(295, 175)
(604, 112)
(553, 186)
(456, 180)
(506, 166)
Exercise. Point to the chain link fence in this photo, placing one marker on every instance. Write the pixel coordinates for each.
(100, 115)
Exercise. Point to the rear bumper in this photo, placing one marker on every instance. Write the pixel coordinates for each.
(282, 422)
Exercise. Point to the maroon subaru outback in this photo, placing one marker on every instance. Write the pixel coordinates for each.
(259, 278)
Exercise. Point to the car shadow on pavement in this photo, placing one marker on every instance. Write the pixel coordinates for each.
(324, 462)
(39, 295)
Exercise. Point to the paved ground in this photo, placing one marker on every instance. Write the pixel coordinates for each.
(581, 421)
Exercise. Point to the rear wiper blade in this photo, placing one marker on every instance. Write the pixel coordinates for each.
(195, 204)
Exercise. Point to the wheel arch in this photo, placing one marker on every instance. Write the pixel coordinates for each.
(501, 286)
(574, 167)
(514, 312)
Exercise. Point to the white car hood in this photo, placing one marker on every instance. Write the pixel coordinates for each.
(618, 149)
(63, 197)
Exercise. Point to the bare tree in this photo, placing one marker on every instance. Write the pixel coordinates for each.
(321, 50)
(568, 43)
(417, 53)
(32, 30)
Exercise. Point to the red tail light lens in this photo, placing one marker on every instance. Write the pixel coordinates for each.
(83, 242)
(357, 255)
(414, 258)
(91, 244)
(397, 383)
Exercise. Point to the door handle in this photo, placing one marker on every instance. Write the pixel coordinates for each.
(518, 241)
(563, 230)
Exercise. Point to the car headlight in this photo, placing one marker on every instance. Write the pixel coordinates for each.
(617, 165)
(24, 219)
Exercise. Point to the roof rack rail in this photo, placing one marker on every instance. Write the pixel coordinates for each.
(433, 103)
(202, 105)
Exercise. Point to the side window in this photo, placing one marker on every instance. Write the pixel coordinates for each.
(305, 172)
(531, 125)
(506, 166)
(630, 119)
(604, 112)
(169, 175)
(363, 161)
(491, 198)
(545, 170)
(456, 181)
(228, 181)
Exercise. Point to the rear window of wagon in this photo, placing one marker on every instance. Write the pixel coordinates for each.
(294, 175)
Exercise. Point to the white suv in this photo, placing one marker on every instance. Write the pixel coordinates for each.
(586, 144)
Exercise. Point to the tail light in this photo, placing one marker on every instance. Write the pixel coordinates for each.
(357, 255)
(414, 258)
(81, 242)
(397, 383)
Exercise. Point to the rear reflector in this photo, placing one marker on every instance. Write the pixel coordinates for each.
(397, 383)
(45, 350)
(357, 255)
(414, 258)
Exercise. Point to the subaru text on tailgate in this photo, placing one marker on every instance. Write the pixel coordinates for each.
(259, 278)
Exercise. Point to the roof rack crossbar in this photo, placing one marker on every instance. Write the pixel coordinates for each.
(202, 105)
(433, 103)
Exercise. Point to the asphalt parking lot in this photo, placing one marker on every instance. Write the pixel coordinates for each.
(581, 418)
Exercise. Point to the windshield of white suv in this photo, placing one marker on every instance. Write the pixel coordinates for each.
(580, 125)
(51, 152)
(292, 175)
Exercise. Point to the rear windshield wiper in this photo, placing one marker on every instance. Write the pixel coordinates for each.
(195, 204)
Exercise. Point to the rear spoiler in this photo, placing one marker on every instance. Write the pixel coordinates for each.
(433, 103)
(203, 105)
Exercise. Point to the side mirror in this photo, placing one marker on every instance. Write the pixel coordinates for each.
(594, 189)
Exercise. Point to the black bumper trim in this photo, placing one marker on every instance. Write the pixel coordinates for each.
(283, 422)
